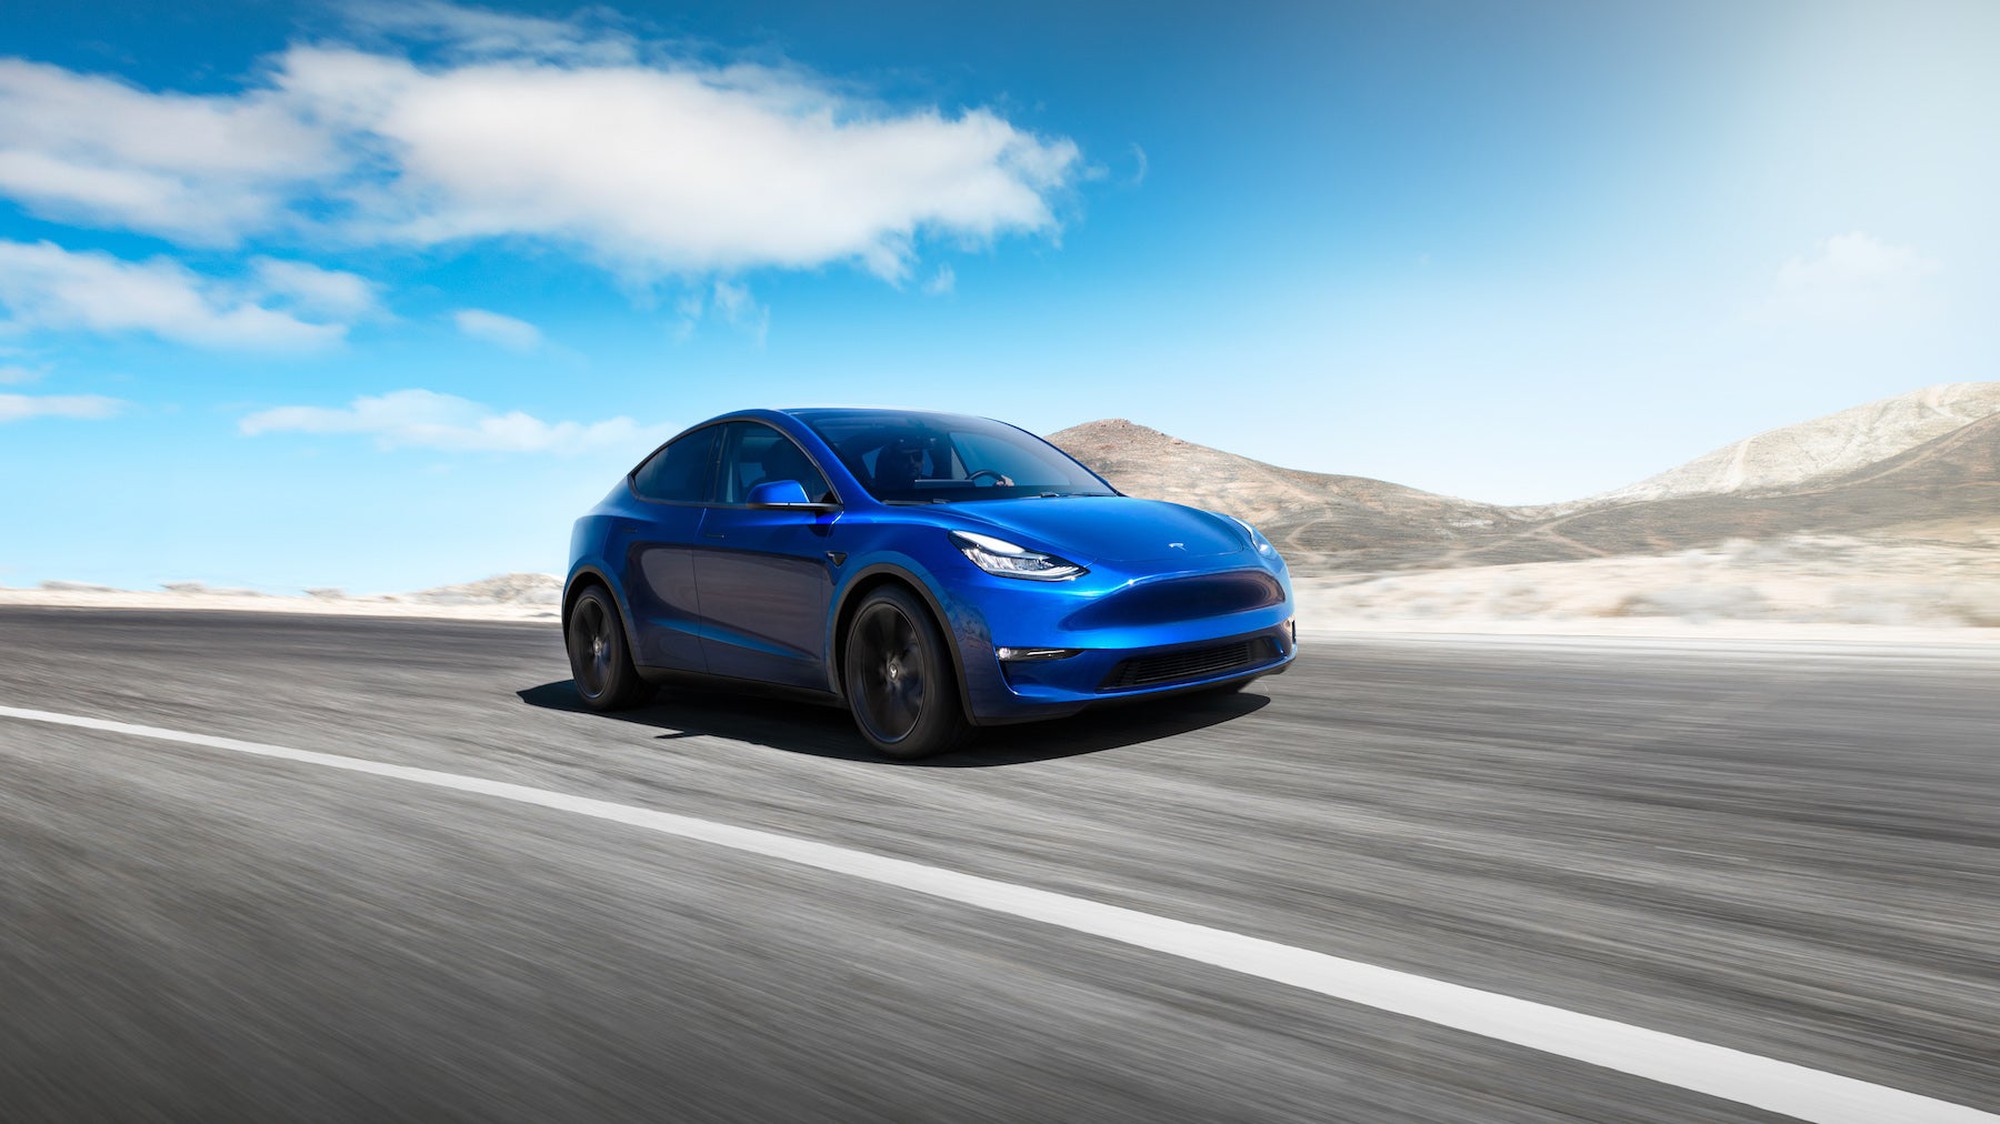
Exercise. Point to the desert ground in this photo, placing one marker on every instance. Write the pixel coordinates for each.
(1803, 588)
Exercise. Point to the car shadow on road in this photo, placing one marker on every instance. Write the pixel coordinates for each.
(823, 731)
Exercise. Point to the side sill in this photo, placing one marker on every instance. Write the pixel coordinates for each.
(680, 677)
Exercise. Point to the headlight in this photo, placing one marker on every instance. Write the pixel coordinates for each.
(998, 556)
(1257, 538)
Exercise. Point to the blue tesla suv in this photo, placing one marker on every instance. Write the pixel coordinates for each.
(930, 572)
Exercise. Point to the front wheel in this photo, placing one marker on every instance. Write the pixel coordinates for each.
(899, 678)
(599, 657)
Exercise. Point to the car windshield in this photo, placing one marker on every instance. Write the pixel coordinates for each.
(932, 458)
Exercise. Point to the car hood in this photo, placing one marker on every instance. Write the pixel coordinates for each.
(1105, 528)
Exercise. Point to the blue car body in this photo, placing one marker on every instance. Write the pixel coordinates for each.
(1169, 598)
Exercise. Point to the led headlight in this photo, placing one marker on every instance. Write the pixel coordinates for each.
(1257, 538)
(1007, 560)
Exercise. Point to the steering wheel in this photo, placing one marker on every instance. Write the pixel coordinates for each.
(999, 478)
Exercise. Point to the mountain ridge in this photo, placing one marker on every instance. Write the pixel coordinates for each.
(1825, 446)
(1924, 465)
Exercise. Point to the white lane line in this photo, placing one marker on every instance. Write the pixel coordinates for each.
(1766, 1083)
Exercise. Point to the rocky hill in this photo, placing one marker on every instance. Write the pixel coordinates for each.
(501, 589)
(1307, 514)
(1826, 447)
(1922, 467)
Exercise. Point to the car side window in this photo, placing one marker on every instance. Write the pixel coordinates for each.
(678, 473)
(754, 454)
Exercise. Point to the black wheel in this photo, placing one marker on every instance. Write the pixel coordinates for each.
(899, 679)
(599, 658)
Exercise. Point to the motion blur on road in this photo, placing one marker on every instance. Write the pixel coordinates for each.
(1787, 850)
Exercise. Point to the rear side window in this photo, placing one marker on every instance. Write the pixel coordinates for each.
(678, 473)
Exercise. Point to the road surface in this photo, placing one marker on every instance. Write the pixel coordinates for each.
(1789, 853)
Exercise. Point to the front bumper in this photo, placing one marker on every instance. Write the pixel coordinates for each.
(1130, 637)
(1048, 688)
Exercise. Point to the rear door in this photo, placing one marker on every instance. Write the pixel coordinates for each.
(764, 577)
(671, 488)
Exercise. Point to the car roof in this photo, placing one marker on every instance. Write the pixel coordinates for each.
(811, 414)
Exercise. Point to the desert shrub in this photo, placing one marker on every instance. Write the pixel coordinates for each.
(1697, 602)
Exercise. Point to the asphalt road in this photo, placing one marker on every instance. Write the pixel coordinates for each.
(1791, 853)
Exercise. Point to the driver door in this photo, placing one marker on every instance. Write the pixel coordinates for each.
(763, 576)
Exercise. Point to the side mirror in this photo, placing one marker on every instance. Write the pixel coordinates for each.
(784, 493)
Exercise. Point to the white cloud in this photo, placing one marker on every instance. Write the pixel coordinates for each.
(426, 419)
(14, 374)
(203, 169)
(512, 334)
(1852, 275)
(522, 128)
(727, 302)
(734, 303)
(690, 308)
(673, 169)
(478, 33)
(19, 407)
(328, 293)
(45, 286)
(942, 282)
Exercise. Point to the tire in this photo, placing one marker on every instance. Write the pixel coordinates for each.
(600, 659)
(898, 677)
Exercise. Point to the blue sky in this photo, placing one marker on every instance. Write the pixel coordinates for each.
(382, 295)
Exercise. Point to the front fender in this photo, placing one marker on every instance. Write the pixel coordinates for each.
(967, 638)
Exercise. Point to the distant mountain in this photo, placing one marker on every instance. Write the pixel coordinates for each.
(501, 589)
(1945, 490)
(1824, 447)
(1305, 513)
(1921, 467)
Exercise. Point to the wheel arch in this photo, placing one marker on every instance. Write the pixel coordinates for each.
(586, 576)
(857, 590)
(582, 579)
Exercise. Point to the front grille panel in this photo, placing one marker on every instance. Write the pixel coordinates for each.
(1190, 664)
(1180, 599)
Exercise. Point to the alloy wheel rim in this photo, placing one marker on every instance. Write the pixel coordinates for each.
(590, 648)
(893, 685)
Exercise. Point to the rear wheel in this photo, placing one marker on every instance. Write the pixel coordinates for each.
(599, 657)
(899, 678)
